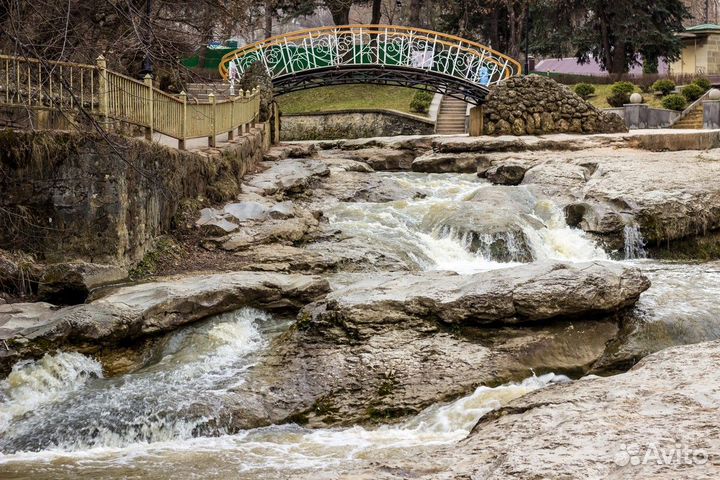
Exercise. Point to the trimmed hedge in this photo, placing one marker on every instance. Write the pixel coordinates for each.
(584, 90)
(674, 102)
(620, 93)
(664, 86)
(421, 101)
(692, 92)
(703, 83)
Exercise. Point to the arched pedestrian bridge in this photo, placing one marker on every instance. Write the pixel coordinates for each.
(377, 54)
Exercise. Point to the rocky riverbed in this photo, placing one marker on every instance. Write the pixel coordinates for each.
(362, 303)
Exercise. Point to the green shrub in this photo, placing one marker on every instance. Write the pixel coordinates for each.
(674, 102)
(692, 92)
(703, 83)
(664, 86)
(620, 93)
(584, 90)
(421, 101)
(626, 88)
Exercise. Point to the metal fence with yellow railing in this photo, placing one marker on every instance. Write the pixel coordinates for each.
(111, 96)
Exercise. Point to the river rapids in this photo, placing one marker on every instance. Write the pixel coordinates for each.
(61, 417)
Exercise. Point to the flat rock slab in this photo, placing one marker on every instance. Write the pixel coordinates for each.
(133, 311)
(287, 176)
(290, 150)
(527, 293)
(510, 143)
(280, 230)
(464, 162)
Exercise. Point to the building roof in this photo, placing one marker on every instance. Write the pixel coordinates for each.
(704, 27)
(570, 65)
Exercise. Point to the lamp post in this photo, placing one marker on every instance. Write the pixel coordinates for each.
(147, 61)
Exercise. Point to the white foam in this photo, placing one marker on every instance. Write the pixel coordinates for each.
(31, 384)
(286, 448)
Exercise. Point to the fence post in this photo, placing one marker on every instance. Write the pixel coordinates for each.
(231, 133)
(183, 125)
(149, 100)
(254, 99)
(103, 93)
(242, 129)
(211, 138)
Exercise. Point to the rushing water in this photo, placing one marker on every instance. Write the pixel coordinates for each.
(81, 425)
(414, 229)
(62, 401)
(60, 418)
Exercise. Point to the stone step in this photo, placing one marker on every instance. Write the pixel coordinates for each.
(451, 116)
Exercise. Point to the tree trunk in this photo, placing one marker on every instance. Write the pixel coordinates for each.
(495, 29)
(606, 48)
(463, 21)
(340, 12)
(375, 18)
(268, 18)
(414, 15)
(516, 21)
(618, 64)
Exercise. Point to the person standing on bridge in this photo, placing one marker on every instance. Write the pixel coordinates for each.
(233, 75)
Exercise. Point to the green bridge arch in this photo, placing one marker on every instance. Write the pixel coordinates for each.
(377, 54)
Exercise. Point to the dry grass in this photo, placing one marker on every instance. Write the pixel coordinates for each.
(345, 97)
(603, 91)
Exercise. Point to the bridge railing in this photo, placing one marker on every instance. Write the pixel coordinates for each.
(376, 45)
(108, 95)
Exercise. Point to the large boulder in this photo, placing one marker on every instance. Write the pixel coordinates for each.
(528, 293)
(467, 162)
(506, 173)
(491, 223)
(289, 176)
(383, 346)
(384, 159)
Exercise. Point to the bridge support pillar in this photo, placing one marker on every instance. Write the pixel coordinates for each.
(475, 129)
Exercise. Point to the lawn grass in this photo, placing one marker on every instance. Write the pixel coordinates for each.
(344, 97)
(603, 91)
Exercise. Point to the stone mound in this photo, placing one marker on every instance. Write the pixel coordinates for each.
(536, 105)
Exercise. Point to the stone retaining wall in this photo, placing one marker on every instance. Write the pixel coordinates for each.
(71, 195)
(353, 124)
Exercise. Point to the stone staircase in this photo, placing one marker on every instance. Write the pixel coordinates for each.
(200, 91)
(451, 116)
(692, 116)
(692, 120)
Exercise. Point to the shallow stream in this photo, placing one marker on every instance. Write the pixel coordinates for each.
(61, 418)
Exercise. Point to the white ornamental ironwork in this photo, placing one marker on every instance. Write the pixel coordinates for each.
(384, 46)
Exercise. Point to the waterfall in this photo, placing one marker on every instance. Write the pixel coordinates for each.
(634, 243)
(417, 231)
